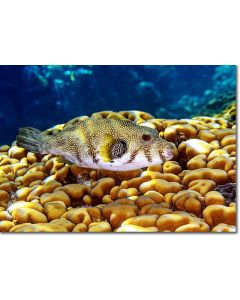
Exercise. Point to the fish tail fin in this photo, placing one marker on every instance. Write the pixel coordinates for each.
(30, 139)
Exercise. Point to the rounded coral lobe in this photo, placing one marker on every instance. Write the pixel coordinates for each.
(135, 180)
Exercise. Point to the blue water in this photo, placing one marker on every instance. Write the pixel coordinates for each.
(42, 96)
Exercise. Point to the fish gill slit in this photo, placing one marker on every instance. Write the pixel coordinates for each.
(161, 156)
(133, 155)
(147, 155)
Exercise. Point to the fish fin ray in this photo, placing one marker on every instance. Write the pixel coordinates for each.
(30, 139)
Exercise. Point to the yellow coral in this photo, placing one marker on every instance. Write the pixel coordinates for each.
(161, 186)
(216, 214)
(181, 221)
(224, 228)
(45, 194)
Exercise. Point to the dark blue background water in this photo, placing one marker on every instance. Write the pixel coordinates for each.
(43, 96)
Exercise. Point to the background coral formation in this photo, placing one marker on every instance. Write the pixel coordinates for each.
(225, 105)
(191, 193)
(42, 96)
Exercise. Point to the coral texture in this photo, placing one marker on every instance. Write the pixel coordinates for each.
(192, 193)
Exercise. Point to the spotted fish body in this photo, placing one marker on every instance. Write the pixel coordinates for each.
(110, 144)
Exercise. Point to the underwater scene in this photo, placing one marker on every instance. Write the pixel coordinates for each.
(118, 148)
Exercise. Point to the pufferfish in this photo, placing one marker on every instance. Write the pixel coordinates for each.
(117, 145)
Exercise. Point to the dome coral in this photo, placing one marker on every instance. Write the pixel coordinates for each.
(193, 192)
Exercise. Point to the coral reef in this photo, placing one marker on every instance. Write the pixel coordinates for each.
(224, 104)
(229, 113)
(195, 192)
(165, 91)
(218, 100)
(228, 191)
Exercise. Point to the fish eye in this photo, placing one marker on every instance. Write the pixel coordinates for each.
(146, 137)
(118, 149)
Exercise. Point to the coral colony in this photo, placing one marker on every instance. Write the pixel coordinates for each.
(192, 192)
(49, 95)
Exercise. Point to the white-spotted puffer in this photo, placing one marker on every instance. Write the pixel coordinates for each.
(110, 144)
